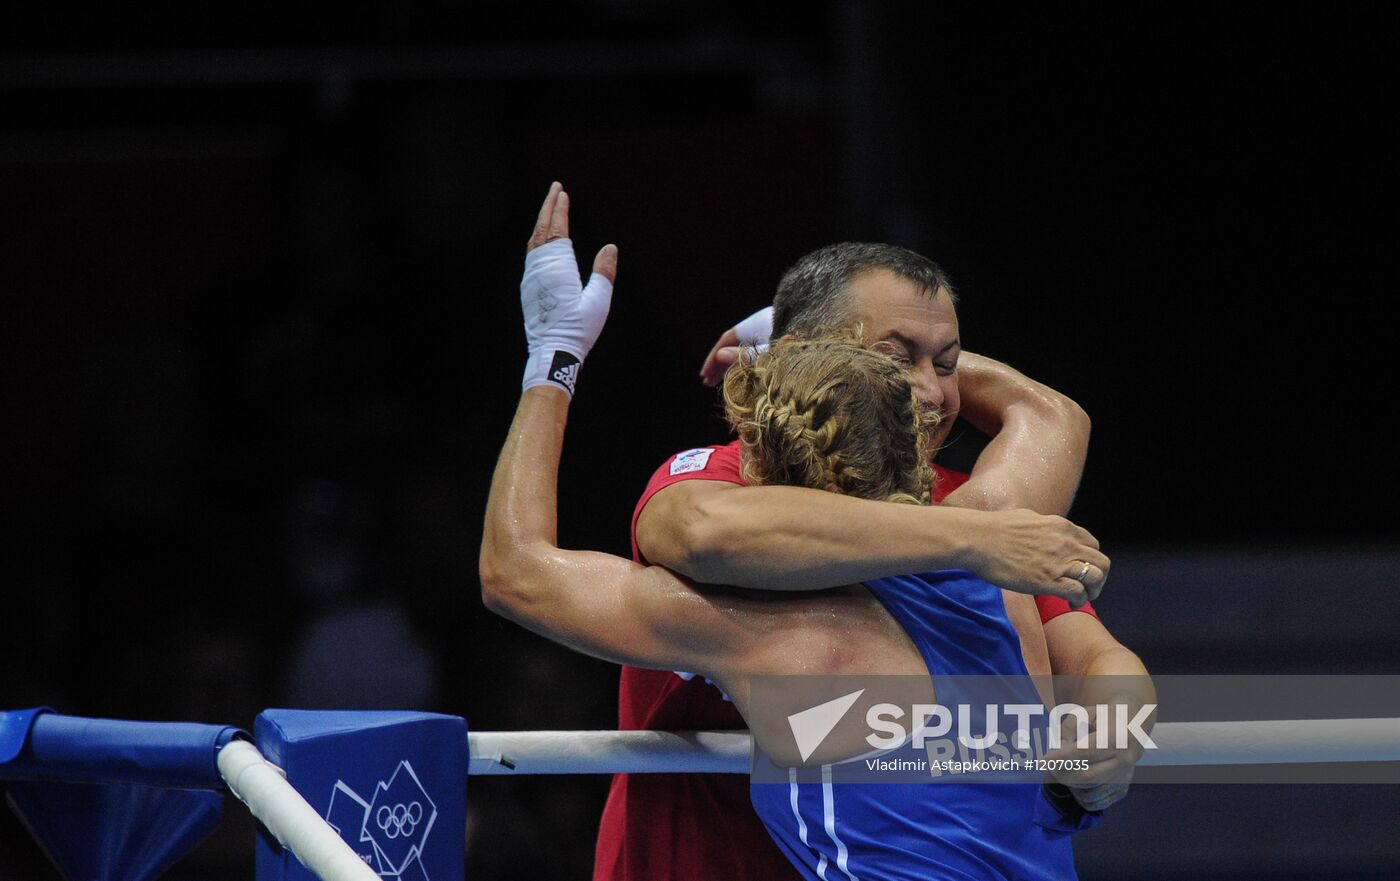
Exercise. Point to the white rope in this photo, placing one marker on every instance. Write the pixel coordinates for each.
(607, 752)
(264, 789)
(1277, 742)
(1179, 743)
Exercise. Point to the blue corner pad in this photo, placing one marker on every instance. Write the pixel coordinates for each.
(39, 744)
(14, 731)
(154, 800)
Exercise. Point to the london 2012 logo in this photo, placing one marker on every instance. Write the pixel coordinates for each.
(390, 830)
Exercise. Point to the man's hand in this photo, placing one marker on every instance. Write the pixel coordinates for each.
(563, 318)
(751, 332)
(1032, 553)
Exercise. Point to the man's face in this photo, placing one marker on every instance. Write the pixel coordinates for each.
(916, 328)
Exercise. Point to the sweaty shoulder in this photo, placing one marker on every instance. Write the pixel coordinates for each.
(714, 463)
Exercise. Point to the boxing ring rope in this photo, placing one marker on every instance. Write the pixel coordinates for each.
(607, 752)
(1180, 743)
(303, 832)
(261, 786)
(297, 825)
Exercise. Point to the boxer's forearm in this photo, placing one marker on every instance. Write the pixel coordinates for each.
(790, 538)
(1039, 440)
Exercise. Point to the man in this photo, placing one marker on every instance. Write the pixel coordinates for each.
(697, 518)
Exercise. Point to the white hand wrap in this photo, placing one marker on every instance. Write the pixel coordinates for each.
(562, 317)
(754, 331)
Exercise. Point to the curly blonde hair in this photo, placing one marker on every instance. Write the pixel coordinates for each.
(825, 411)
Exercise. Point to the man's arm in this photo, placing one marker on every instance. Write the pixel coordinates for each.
(1039, 437)
(1035, 460)
(791, 538)
(1039, 440)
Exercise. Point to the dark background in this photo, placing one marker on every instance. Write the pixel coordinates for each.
(261, 335)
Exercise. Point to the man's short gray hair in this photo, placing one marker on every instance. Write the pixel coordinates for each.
(813, 292)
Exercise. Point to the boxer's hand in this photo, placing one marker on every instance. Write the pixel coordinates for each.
(1106, 779)
(1102, 796)
(1032, 553)
(1097, 776)
(753, 331)
(563, 318)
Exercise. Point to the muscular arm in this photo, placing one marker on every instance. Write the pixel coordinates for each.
(1039, 440)
(790, 538)
(1035, 460)
(1039, 436)
(596, 603)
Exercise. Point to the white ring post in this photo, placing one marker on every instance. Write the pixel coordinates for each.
(262, 787)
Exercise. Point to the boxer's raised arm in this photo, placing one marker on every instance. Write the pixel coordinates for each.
(791, 538)
(596, 603)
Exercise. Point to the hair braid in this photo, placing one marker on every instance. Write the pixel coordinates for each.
(828, 413)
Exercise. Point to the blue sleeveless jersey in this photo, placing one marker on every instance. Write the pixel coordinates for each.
(836, 831)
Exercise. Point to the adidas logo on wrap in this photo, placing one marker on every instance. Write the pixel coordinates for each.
(564, 370)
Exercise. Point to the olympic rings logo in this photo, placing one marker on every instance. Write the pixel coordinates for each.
(401, 819)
